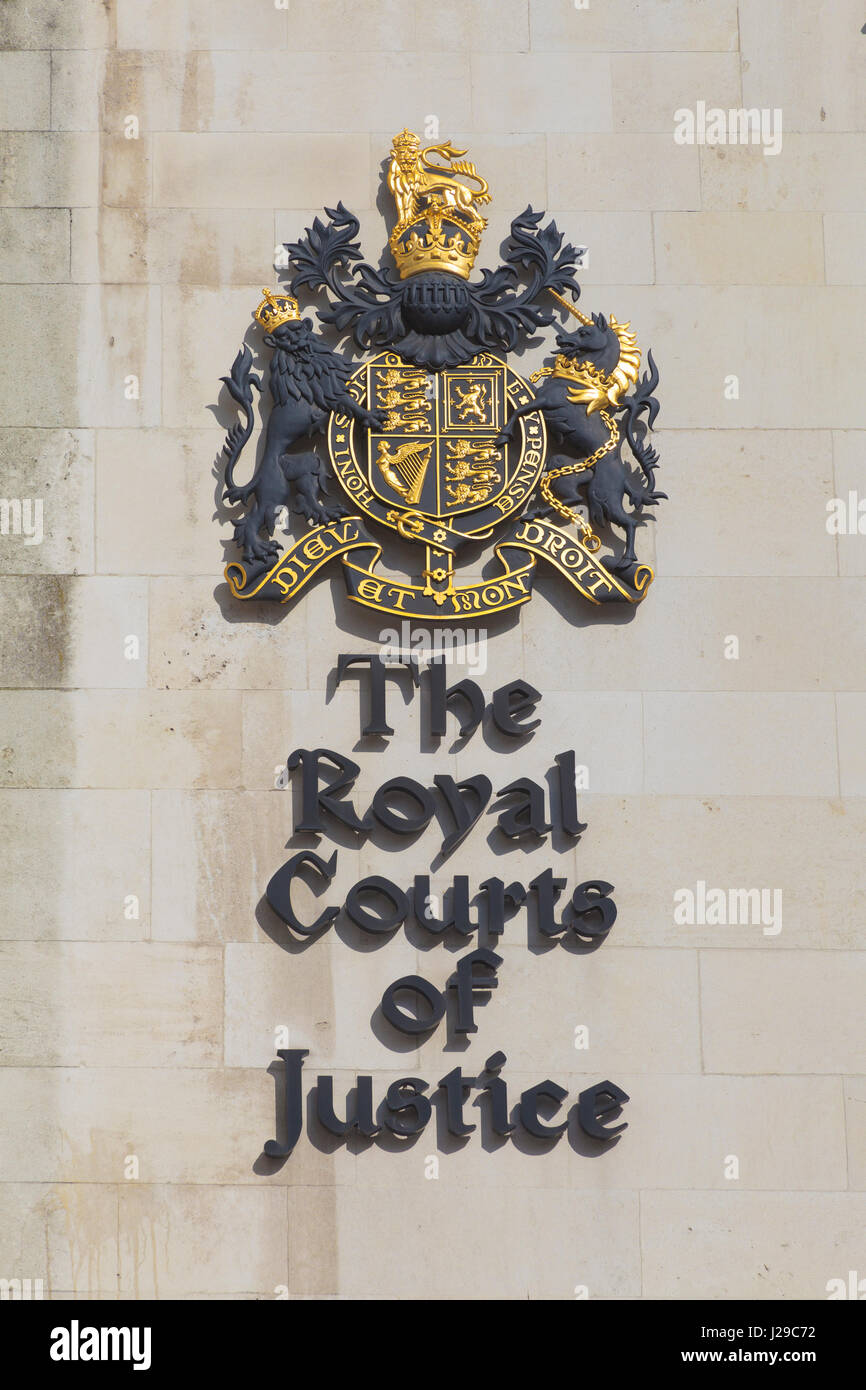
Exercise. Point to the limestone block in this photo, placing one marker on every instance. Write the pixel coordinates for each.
(718, 744)
(88, 851)
(625, 172)
(623, 25)
(810, 171)
(75, 1006)
(127, 174)
(726, 1245)
(279, 92)
(804, 848)
(183, 1124)
(791, 634)
(760, 1011)
(134, 738)
(194, 645)
(77, 85)
(244, 170)
(213, 856)
(194, 1239)
(855, 1124)
(327, 996)
(163, 89)
(850, 708)
(139, 531)
(515, 1243)
(384, 26)
(25, 96)
(456, 27)
(738, 248)
(61, 631)
(192, 24)
(723, 528)
(34, 244)
(683, 1129)
(640, 1007)
(104, 338)
(202, 330)
(55, 24)
(64, 1234)
(849, 473)
(171, 246)
(619, 250)
(529, 91)
(803, 61)
(41, 169)
(649, 87)
(843, 248)
(56, 467)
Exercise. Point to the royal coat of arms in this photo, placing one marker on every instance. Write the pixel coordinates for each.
(433, 435)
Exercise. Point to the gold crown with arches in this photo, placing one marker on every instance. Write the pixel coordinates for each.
(438, 225)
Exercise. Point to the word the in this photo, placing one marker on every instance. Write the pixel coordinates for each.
(509, 707)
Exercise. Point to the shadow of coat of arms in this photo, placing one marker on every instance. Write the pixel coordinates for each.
(432, 434)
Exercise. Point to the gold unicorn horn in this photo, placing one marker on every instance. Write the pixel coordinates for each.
(571, 308)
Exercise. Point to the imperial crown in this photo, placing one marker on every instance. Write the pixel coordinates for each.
(276, 309)
(438, 225)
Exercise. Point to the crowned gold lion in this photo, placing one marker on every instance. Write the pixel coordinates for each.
(417, 184)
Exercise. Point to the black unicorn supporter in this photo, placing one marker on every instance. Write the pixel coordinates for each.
(582, 400)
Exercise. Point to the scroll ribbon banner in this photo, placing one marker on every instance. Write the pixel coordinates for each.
(518, 552)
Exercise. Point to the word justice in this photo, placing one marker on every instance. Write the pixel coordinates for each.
(406, 1110)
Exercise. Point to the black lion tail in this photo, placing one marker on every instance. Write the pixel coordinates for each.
(633, 406)
(239, 386)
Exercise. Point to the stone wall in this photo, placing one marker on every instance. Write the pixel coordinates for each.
(143, 977)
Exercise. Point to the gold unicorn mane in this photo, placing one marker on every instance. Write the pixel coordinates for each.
(599, 388)
(625, 372)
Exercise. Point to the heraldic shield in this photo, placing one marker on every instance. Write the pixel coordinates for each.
(433, 435)
(434, 472)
